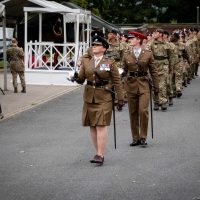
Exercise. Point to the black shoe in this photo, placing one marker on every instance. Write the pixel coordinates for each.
(178, 94)
(93, 160)
(164, 107)
(1, 116)
(143, 142)
(23, 90)
(98, 160)
(135, 143)
(170, 101)
(156, 106)
(15, 90)
(184, 84)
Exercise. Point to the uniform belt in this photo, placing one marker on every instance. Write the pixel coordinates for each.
(160, 57)
(98, 84)
(137, 74)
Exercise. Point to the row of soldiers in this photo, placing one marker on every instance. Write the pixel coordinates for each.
(176, 56)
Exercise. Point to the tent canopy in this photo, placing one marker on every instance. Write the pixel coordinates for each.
(2, 7)
(15, 8)
(96, 21)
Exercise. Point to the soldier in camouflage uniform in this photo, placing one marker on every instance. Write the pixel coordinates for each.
(198, 38)
(196, 46)
(115, 50)
(192, 47)
(188, 48)
(116, 47)
(185, 58)
(15, 56)
(161, 52)
(174, 61)
(178, 72)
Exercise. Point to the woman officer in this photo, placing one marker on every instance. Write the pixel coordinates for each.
(101, 74)
(137, 64)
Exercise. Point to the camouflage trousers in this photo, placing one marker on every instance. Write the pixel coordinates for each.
(21, 76)
(178, 79)
(196, 68)
(163, 71)
(186, 66)
(170, 85)
(163, 85)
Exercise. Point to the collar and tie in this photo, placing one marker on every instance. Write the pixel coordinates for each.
(137, 52)
(97, 60)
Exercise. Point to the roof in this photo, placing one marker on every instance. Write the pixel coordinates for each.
(97, 22)
(15, 8)
(1, 9)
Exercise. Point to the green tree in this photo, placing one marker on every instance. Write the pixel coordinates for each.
(142, 11)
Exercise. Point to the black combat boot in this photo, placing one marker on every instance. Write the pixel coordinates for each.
(185, 83)
(15, 90)
(23, 90)
(156, 106)
(170, 101)
(164, 107)
(1, 116)
(178, 94)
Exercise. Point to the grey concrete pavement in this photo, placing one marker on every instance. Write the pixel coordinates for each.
(45, 153)
(36, 94)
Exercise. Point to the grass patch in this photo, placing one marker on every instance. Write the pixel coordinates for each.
(1, 64)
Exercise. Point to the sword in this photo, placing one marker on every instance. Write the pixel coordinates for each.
(113, 108)
(151, 110)
(72, 79)
(114, 124)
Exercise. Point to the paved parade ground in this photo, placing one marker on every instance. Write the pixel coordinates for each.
(45, 153)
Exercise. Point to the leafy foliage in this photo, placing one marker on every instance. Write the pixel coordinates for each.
(142, 11)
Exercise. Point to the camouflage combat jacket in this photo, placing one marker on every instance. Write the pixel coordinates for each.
(15, 59)
(115, 51)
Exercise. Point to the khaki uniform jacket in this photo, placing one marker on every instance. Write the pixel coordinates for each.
(14, 57)
(107, 71)
(144, 63)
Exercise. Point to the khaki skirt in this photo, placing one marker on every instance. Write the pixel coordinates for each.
(97, 114)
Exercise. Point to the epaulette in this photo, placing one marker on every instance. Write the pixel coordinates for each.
(108, 56)
(126, 51)
(108, 59)
(86, 55)
(147, 49)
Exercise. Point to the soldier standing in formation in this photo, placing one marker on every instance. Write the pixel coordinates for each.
(115, 50)
(101, 74)
(179, 67)
(15, 61)
(138, 64)
(161, 52)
